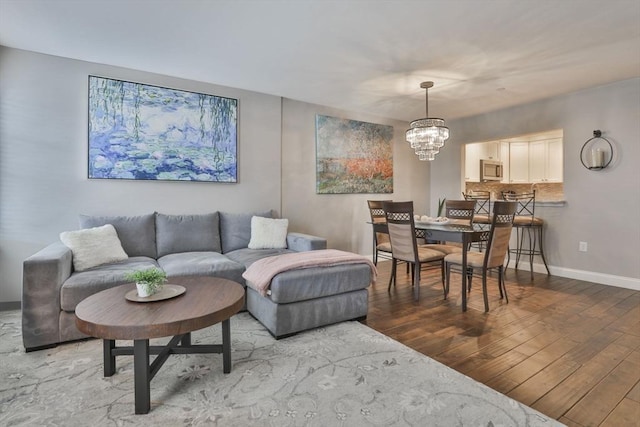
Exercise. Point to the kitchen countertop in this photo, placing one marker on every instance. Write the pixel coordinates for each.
(547, 203)
(551, 203)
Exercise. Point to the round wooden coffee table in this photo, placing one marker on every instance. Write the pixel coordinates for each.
(110, 316)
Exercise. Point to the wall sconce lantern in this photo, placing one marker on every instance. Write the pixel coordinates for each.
(597, 152)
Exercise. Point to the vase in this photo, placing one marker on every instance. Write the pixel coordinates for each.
(144, 290)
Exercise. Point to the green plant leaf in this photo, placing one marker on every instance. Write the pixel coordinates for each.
(152, 277)
(441, 203)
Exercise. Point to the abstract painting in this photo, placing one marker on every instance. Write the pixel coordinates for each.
(353, 156)
(144, 132)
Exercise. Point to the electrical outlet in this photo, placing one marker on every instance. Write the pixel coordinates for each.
(582, 247)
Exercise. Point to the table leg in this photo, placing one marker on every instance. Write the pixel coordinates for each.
(465, 245)
(186, 340)
(226, 346)
(141, 376)
(416, 281)
(109, 357)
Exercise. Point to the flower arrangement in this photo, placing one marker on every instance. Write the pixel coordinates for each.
(441, 205)
(148, 281)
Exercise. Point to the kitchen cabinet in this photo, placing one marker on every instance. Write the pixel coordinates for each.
(537, 161)
(525, 159)
(545, 161)
(519, 162)
(471, 162)
(476, 152)
(555, 160)
(504, 157)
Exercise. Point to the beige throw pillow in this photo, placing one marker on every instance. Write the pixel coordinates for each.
(94, 246)
(268, 233)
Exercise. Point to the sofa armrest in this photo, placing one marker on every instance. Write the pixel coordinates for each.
(42, 277)
(305, 242)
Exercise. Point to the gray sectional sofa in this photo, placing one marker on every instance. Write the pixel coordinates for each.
(213, 244)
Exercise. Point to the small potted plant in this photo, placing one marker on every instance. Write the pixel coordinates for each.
(148, 281)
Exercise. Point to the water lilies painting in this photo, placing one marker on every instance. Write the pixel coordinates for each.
(353, 156)
(139, 131)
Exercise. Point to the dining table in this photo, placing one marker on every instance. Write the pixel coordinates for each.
(449, 232)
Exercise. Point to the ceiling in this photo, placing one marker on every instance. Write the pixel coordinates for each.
(357, 55)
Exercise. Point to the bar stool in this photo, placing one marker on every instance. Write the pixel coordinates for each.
(482, 213)
(525, 222)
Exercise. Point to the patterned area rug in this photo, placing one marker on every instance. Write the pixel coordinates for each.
(341, 375)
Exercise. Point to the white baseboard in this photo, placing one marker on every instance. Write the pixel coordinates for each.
(587, 276)
(11, 305)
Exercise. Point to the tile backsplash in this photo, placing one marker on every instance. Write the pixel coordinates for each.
(545, 192)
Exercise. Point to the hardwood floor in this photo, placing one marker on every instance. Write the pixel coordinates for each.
(568, 348)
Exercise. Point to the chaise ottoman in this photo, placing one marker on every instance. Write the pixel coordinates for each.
(306, 298)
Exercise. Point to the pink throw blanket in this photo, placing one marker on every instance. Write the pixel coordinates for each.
(260, 273)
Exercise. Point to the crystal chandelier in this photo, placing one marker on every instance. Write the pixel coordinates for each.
(427, 136)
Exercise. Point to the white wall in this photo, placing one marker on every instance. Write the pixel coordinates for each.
(43, 168)
(341, 218)
(602, 207)
(43, 164)
(43, 158)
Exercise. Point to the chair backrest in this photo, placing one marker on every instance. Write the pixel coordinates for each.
(526, 203)
(460, 211)
(402, 233)
(483, 201)
(376, 210)
(500, 234)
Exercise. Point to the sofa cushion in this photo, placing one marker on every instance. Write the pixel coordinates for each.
(137, 233)
(187, 233)
(82, 284)
(235, 230)
(299, 242)
(201, 264)
(93, 246)
(284, 319)
(268, 233)
(247, 256)
(316, 282)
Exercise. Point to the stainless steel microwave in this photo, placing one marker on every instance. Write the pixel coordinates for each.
(490, 170)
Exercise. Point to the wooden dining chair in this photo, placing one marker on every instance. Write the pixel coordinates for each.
(459, 212)
(404, 246)
(482, 211)
(381, 244)
(493, 257)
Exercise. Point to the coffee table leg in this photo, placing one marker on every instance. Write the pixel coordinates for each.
(226, 346)
(141, 376)
(109, 358)
(186, 340)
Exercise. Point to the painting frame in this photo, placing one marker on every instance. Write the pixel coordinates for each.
(139, 131)
(353, 157)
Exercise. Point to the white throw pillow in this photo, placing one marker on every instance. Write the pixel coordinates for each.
(268, 233)
(94, 246)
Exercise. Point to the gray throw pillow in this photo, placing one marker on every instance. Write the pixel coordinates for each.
(187, 233)
(235, 229)
(136, 233)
